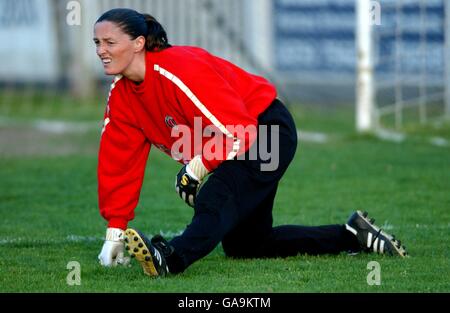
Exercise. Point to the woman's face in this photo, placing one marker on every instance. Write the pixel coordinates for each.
(115, 48)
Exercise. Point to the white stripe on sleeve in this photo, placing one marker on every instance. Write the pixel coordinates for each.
(202, 108)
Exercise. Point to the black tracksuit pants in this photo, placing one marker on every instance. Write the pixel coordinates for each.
(234, 206)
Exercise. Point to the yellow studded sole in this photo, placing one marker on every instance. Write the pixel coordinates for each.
(137, 249)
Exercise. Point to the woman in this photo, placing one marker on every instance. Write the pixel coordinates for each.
(215, 119)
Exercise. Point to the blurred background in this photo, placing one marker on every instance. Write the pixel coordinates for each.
(309, 49)
(368, 84)
(380, 67)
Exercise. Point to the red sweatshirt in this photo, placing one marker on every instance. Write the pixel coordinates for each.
(181, 83)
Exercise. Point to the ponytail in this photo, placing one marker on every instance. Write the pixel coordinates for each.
(136, 24)
(156, 39)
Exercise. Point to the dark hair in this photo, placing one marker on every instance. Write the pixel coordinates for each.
(136, 24)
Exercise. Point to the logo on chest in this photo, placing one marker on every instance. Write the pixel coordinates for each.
(170, 122)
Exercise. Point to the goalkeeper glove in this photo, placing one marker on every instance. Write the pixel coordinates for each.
(189, 179)
(112, 250)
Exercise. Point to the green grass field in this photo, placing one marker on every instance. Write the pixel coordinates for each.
(49, 214)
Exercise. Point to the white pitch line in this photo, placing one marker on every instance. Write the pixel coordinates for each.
(389, 135)
(398, 137)
(52, 126)
(67, 239)
(170, 234)
(62, 127)
(439, 141)
(312, 136)
(74, 239)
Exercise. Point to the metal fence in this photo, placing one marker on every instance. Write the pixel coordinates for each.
(218, 26)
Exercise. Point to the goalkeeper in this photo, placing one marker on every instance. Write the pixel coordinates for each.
(216, 120)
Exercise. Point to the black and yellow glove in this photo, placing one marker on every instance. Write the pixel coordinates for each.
(188, 180)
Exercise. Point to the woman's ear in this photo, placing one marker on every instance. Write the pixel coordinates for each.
(139, 44)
